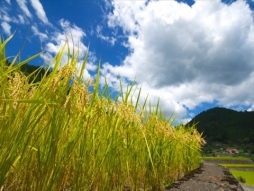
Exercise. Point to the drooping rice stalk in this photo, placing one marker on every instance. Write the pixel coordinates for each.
(56, 135)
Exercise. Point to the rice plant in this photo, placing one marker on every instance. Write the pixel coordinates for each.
(57, 135)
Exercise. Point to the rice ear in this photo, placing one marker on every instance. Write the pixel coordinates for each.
(58, 134)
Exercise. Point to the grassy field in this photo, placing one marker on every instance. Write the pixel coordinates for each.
(247, 176)
(58, 135)
(238, 165)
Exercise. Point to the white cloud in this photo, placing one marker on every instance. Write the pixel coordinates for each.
(8, 1)
(52, 39)
(21, 19)
(4, 16)
(73, 35)
(42, 36)
(111, 40)
(7, 18)
(73, 32)
(6, 27)
(39, 11)
(187, 55)
(25, 16)
(23, 6)
(251, 108)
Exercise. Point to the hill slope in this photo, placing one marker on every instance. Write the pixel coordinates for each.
(28, 69)
(225, 125)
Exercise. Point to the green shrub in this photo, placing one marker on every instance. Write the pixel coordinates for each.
(241, 179)
(252, 158)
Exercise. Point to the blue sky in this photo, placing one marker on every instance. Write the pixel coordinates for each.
(193, 55)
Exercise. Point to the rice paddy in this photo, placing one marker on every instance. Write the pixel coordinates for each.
(238, 165)
(242, 168)
(246, 176)
(57, 135)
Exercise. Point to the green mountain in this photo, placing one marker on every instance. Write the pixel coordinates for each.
(225, 125)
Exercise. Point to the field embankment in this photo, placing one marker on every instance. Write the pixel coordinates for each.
(208, 177)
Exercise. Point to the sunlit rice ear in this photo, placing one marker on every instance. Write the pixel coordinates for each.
(58, 134)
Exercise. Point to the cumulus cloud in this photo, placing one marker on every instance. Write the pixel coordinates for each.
(187, 55)
(6, 27)
(72, 35)
(52, 38)
(8, 1)
(39, 11)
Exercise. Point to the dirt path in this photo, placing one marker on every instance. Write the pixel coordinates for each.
(209, 177)
(247, 188)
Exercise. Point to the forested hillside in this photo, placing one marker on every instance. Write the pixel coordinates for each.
(225, 125)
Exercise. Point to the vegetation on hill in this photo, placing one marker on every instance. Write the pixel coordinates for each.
(225, 125)
(36, 72)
